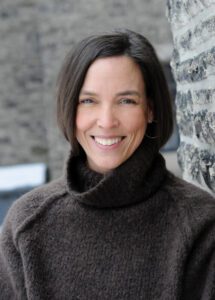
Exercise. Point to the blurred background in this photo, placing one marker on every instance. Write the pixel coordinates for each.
(35, 36)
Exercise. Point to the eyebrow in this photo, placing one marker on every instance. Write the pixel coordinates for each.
(87, 93)
(128, 93)
(124, 93)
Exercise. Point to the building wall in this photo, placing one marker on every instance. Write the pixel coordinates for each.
(22, 130)
(193, 63)
(35, 36)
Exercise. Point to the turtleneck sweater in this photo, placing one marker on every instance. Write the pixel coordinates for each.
(137, 232)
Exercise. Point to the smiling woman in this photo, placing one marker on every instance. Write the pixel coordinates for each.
(118, 224)
(143, 60)
(113, 112)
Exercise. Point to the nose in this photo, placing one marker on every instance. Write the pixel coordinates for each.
(107, 118)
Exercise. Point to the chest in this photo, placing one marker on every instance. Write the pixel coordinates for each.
(119, 256)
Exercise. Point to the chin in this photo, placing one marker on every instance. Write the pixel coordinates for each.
(105, 167)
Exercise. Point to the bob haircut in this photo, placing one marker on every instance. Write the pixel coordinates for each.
(123, 42)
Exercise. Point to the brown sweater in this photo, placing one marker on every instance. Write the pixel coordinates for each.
(136, 233)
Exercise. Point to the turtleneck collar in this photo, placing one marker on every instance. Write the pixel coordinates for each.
(133, 181)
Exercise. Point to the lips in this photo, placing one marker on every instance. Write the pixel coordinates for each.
(107, 141)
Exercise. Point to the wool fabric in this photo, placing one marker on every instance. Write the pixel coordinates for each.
(137, 232)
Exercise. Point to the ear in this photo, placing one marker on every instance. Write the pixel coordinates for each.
(150, 114)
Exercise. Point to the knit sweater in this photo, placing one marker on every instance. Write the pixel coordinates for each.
(137, 232)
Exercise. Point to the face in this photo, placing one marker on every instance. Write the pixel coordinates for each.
(112, 113)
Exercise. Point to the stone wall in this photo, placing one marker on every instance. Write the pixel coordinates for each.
(193, 64)
(22, 130)
(35, 36)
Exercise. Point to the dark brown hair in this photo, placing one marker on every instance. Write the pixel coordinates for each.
(131, 44)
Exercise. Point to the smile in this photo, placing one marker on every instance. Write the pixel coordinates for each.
(107, 141)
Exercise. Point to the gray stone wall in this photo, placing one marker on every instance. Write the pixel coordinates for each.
(22, 130)
(35, 35)
(193, 64)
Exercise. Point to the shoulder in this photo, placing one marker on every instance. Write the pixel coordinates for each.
(194, 207)
(28, 207)
(185, 192)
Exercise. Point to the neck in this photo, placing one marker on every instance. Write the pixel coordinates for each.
(131, 182)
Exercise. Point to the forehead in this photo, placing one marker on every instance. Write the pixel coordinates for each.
(114, 71)
(118, 62)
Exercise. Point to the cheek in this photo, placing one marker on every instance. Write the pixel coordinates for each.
(136, 123)
(82, 121)
(79, 122)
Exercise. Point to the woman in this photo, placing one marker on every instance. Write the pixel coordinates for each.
(117, 225)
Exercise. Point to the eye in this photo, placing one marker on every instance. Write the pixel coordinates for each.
(127, 101)
(86, 101)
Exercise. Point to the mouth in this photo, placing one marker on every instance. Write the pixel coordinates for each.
(110, 141)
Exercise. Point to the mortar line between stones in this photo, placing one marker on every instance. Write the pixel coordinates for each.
(190, 54)
(206, 84)
(196, 143)
(202, 15)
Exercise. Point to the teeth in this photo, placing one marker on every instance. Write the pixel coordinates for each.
(107, 142)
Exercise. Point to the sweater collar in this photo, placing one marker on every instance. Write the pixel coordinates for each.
(133, 181)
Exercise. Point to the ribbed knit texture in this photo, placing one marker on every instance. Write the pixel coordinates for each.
(135, 233)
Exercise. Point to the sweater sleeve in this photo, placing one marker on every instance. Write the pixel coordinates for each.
(13, 280)
(199, 280)
(11, 270)
(196, 220)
